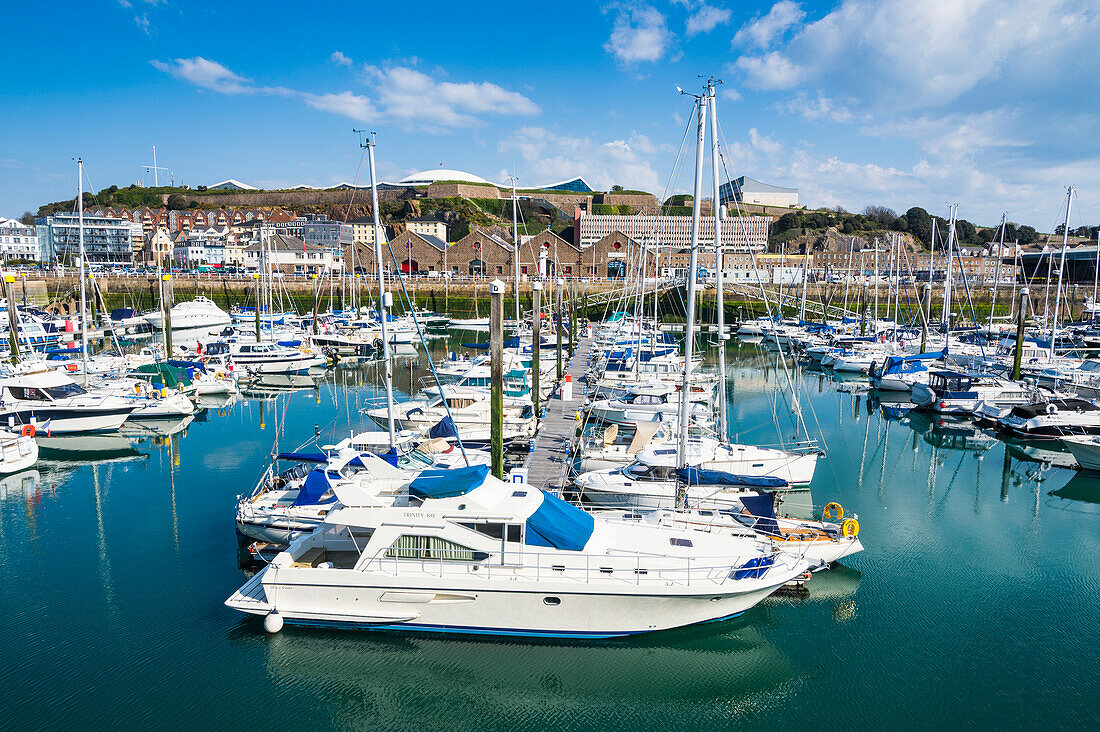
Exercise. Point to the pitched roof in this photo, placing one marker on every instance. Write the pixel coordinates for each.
(283, 243)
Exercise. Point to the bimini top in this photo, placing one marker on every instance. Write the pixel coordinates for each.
(558, 524)
(697, 476)
(448, 483)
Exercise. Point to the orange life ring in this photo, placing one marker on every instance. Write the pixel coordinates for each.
(28, 430)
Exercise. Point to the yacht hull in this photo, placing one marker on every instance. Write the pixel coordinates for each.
(477, 608)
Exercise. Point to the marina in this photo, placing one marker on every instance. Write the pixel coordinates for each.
(505, 396)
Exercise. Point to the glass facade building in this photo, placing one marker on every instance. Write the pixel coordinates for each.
(106, 240)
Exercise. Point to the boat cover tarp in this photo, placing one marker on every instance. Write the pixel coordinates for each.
(909, 364)
(316, 485)
(763, 508)
(304, 457)
(559, 525)
(448, 483)
(443, 428)
(698, 476)
(755, 568)
(122, 313)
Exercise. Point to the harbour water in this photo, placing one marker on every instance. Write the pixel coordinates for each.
(975, 602)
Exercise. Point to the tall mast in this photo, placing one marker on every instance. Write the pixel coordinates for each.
(689, 334)
(515, 245)
(1095, 277)
(1061, 269)
(997, 275)
(383, 312)
(83, 294)
(712, 101)
(848, 278)
(950, 267)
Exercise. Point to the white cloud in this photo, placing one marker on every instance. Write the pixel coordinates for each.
(639, 34)
(761, 32)
(763, 143)
(771, 71)
(339, 59)
(206, 74)
(921, 52)
(413, 97)
(142, 22)
(817, 108)
(401, 94)
(706, 19)
(344, 103)
(548, 156)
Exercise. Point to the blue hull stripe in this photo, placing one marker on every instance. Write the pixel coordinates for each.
(472, 630)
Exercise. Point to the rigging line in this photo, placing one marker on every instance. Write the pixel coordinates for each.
(355, 189)
(767, 304)
(423, 342)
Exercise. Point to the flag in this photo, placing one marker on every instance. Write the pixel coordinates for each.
(45, 426)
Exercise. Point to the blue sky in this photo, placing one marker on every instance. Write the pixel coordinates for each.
(897, 102)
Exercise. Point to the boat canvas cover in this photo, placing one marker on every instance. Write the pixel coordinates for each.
(762, 508)
(316, 485)
(443, 428)
(559, 525)
(910, 364)
(698, 476)
(448, 483)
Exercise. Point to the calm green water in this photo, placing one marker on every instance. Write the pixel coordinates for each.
(975, 603)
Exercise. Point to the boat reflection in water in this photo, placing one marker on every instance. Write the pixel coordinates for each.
(157, 427)
(949, 434)
(1082, 487)
(22, 485)
(271, 386)
(92, 447)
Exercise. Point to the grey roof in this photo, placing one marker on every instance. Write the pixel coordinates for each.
(435, 241)
(746, 183)
(283, 243)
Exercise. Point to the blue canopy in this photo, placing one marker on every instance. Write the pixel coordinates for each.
(559, 525)
(755, 568)
(763, 508)
(316, 485)
(697, 476)
(448, 483)
(910, 364)
(443, 428)
(304, 457)
(122, 313)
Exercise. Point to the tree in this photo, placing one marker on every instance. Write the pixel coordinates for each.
(881, 214)
(785, 222)
(900, 224)
(920, 224)
(616, 188)
(27, 218)
(966, 231)
(176, 202)
(1028, 234)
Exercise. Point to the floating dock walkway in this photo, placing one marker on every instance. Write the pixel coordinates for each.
(548, 462)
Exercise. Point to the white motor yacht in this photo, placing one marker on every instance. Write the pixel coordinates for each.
(198, 313)
(268, 358)
(467, 553)
(53, 402)
(955, 392)
(1085, 450)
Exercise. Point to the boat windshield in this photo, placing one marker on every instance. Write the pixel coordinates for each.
(64, 391)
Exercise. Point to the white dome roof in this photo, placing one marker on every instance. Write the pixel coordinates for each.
(426, 177)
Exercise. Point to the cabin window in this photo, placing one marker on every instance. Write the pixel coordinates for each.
(679, 542)
(26, 392)
(64, 391)
(411, 546)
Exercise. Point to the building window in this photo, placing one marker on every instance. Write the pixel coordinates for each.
(500, 270)
(569, 269)
(523, 270)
